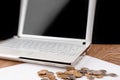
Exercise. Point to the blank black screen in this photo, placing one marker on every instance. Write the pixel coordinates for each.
(65, 18)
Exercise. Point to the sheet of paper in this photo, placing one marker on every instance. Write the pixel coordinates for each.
(27, 71)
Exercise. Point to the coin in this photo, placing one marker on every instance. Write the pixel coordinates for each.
(103, 71)
(70, 77)
(70, 68)
(111, 75)
(99, 76)
(71, 74)
(83, 71)
(44, 79)
(61, 75)
(90, 77)
(42, 72)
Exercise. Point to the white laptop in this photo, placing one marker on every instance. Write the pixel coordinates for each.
(51, 32)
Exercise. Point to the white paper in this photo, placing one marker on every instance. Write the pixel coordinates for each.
(27, 71)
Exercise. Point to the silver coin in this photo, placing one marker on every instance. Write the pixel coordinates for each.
(44, 79)
(91, 77)
(111, 75)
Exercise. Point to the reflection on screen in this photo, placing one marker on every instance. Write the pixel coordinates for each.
(56, 18)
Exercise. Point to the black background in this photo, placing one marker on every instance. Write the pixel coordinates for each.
(106, 25)
(9, 15)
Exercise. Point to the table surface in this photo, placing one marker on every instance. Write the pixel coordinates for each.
(107, 52)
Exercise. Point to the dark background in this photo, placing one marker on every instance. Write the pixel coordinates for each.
(9, 14)
(106, 25)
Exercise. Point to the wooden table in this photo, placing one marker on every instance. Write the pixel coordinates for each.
(110, 53)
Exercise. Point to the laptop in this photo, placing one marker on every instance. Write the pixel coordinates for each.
(51, 32)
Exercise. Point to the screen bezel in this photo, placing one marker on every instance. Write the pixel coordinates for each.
(89, 27)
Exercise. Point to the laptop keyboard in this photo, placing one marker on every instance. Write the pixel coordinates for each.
(43, 46)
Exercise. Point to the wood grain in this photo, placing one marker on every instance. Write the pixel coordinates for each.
(110, 53)
(6, 63)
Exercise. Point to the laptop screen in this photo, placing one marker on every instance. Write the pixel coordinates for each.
(56, 18)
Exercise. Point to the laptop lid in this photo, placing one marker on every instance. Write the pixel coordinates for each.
(57, 19)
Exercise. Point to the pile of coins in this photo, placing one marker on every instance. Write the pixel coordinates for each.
(46, 75)
(72, 74)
